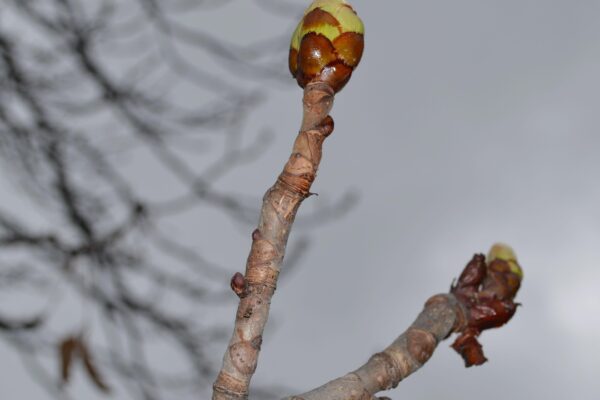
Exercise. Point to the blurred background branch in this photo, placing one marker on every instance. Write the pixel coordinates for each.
(86, 89)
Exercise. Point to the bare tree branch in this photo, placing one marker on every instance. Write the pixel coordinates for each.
(280, 205)
(404, 356)
(481, 299)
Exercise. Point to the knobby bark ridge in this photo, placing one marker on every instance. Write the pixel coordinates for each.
(280, 205)
(411, 350)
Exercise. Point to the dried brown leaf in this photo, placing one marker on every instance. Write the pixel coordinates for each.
(67, 348)
(91, 368)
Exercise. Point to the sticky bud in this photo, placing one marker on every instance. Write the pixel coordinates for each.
(327, 44)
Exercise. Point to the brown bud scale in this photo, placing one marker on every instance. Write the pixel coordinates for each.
(318, 17)
(349, 47)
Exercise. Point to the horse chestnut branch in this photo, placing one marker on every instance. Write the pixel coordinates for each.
(327, 45)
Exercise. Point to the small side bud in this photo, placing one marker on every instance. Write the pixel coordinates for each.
(239, 285)
(327, 126)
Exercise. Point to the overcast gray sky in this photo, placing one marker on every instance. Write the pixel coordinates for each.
(467, 122)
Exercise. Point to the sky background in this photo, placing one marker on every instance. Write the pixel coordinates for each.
(466, 123)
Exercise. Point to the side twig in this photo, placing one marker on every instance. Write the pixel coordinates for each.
(280, 205)
(404, 356)
(481, 299)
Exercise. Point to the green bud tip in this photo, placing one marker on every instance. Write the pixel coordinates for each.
(501, 251)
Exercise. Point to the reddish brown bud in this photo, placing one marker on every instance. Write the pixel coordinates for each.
(239, 285)
(486, 293)
(327, 125)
